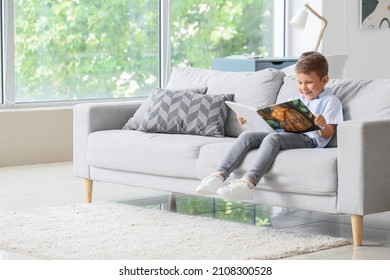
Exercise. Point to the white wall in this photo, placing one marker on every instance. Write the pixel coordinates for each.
(30, 136)
(368, 50)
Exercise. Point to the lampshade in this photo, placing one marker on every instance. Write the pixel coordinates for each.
(299, 20)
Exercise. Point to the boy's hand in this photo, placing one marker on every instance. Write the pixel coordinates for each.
(241, 120)
(320, 121)
(327, 130)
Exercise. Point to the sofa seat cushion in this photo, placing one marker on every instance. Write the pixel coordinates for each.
(151, 153)
(307, 171)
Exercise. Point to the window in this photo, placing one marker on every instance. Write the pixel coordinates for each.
(95, 49)
(75, 49)
(206, 29)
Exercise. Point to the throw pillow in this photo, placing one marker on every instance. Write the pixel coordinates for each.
(134, 122)
(186, 113)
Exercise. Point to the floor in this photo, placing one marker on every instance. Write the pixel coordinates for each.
(43, 185)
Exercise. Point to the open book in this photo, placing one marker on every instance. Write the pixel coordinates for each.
(291, 116)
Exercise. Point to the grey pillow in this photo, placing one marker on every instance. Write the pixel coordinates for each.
(136, 119)
(186, 113)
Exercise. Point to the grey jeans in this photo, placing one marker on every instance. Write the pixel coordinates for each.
(268, 145)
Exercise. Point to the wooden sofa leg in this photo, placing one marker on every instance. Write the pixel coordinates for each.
(88, 190)
(357, 229)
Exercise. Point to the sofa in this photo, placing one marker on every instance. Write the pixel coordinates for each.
(349, 176)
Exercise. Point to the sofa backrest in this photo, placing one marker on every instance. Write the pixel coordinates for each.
(256, 89)
(361, 99)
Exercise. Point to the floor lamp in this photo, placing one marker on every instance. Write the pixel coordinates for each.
(300, 18)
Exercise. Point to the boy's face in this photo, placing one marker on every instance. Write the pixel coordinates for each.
(310, 85)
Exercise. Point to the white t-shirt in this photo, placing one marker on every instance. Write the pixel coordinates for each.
(327, 105)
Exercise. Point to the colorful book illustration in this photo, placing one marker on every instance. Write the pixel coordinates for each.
(291, 116)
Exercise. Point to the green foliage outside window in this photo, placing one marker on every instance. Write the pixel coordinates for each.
(202, 30)
(80, 49)
(72, 49)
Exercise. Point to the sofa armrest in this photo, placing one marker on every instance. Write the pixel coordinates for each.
(92, 117)
(363, 166)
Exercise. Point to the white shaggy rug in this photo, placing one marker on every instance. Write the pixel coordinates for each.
(107, 230)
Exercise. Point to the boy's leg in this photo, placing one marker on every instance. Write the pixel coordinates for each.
(270, 147)
(242, 189)
(245, 142)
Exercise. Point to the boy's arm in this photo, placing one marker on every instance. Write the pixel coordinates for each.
(327, 130)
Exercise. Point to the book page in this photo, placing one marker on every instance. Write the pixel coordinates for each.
(253, 119)
(291, 116)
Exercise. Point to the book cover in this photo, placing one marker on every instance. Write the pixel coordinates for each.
(291, 116)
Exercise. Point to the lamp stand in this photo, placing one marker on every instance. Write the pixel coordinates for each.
(324, 24)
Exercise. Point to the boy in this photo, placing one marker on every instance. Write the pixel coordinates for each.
(312, 76)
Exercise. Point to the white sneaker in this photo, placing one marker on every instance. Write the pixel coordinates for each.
(237, 190)
(210, 184)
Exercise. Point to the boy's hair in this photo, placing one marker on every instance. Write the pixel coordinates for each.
(312, 62)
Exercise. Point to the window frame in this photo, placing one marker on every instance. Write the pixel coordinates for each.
(8, 75)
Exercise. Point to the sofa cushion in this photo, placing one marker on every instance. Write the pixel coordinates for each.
(186, 113)
(150, 153)
(297, 171)
(256, 89)
(137, 118)
(363, 99)
(293, 171)
(288, 90)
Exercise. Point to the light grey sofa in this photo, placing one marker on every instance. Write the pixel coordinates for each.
(350, 176)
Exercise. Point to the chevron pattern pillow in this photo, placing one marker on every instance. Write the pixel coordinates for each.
(186, 113)
(136, 119)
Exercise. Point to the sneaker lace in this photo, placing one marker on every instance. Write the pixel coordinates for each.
(210, 178)
(237, 184)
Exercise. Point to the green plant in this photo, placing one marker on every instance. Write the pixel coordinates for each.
(73, 49)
